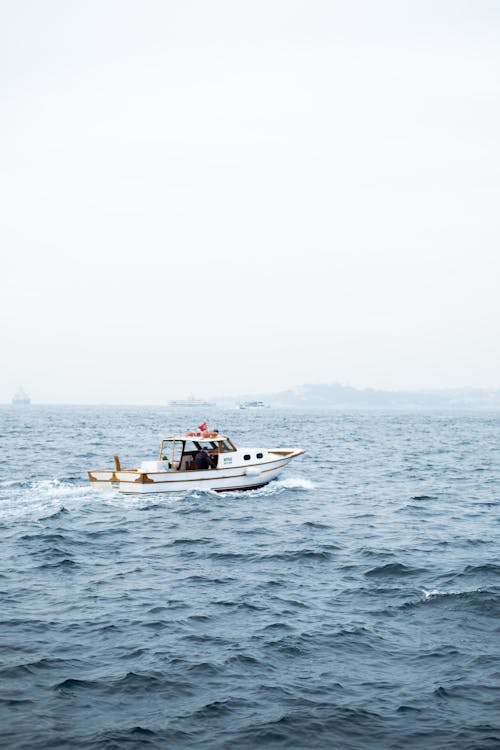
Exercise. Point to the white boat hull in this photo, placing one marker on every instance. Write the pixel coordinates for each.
(221, 480)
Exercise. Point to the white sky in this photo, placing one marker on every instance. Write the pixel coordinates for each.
(227, 197)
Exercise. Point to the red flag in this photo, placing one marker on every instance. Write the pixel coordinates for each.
(202, 427)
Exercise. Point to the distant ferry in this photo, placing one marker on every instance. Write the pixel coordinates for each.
(21, 398)
(191, 401)
(253, 405)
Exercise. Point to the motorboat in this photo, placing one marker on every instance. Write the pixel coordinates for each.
(175, 468)
(253, 405)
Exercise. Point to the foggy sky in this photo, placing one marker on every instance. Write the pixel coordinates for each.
(235, 197)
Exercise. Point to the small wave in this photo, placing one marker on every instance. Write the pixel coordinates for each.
(489, 568)
(134, 681)
(293, 555)
(292, 643)
(440, 692)
(66, 564)
(440, 652)
(393, 569)
(404, 709)
(134, 654)
(485, 573)
(481, 601)
(475, 542)
(274, 626)
(57, 514)
(219, 708)
(15, 702)
(42, 537)
(208, 579)
(377, 553)
(71, 683)
(316, 525)
(15, 671)
(51, 552)
(187, 541)
(111, 531)
(204, 668)
(9, 484)
(292, 602)
(38, 626)
(155, 624)
(227, 556)
(30, 668)
(252, 607)
(138, 736)
(142, 731)
(243, 660)
(330, 725)
(435, 592)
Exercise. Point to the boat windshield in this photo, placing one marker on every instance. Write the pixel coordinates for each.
(172, 450)
(226, 446)
(192, 446)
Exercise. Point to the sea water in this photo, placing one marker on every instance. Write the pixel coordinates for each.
(353, 603)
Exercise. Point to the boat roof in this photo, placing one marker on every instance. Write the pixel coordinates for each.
(196, 436)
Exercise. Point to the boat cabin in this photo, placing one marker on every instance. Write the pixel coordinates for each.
(178, 451)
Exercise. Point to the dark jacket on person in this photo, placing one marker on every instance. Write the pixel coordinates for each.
(203, 460)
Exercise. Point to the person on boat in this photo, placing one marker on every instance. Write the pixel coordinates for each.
(203, 460)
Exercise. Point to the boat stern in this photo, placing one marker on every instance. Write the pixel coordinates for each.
(109, 479)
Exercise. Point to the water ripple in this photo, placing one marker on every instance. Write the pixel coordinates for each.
(352, 604)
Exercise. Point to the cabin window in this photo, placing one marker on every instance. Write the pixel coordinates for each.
(225, 447)
(259, 455)
(172, 451)
(247, 456)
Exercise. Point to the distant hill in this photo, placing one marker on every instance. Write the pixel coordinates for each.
(341, 396)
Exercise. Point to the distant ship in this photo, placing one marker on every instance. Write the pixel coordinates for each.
(253, 405)
(21, 398)
(191, 401)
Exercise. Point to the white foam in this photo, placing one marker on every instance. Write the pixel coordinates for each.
(292, 483)
(42, 498)
(430, 594)
(56, 488)
(436, 592)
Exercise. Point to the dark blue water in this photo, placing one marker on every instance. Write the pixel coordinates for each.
(353, 604)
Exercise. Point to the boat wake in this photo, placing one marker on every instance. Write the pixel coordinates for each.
(41, 498)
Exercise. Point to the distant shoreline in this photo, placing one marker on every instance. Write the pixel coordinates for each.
(332, 397)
